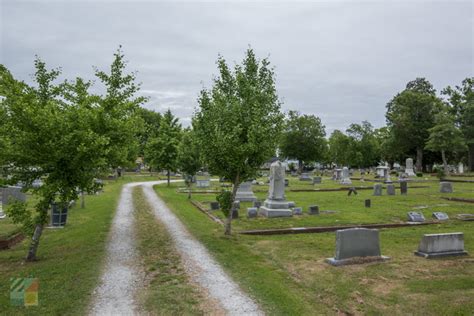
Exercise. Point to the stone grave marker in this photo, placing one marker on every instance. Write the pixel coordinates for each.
(377, 189)
(298, 211)
(445, 187)
(305, 177)
(441, 245)
(215, 206)
(337, 176)
(345, 176)
(313, 210)
(317, 180)
(287, 182)
(203, 183)
(409, 168)
(244, 192)
(460, 168)
(252, 212)
(367, 203)
(355, 243)
(441, 216)
(390, 189)
(276, 204)
(416, 217)
(403, 188)
(291, 204)
(257, 203)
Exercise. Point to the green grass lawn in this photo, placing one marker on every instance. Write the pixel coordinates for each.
(287, 273)
(7, 228)
(70, 259)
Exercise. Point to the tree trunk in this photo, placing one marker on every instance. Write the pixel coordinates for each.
(34, 243)
(445, 163)
(83, 200)
(189, 190)
(419, 160)
(471, 158)
(228, 223)
(300, 166)
(168, 176)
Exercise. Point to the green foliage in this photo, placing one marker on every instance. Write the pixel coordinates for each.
(338, 148)
(188, 159)
(365, 145)
(151, 125)
(303, 138)
(225, 200)
(20, 214)
(444, 136)
(419, 174)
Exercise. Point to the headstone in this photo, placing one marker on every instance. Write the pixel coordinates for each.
(298, 211)
(317, 180)
(244, 192)
(276, 204)
(377, 189)
(460, 168)
(12, 193)
(291, 204)
(215, 206)
(345, 176)
(287, 182)
(354, 243)
(441, 245)
(416, 217)
(257, 203)
(367, 203)
(409, 168)
(313, 210)
(390, 189)
(305, 177)
(441, 216)
(337, 176)
(252, 212)
(203, 183)
(445, 187)
(403, 188)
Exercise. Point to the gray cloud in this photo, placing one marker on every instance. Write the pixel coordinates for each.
(339, 60)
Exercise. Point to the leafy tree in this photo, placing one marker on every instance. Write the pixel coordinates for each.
(366, 147)
(162, 149)
(238, 122)
(461, 100)
(49, 136)
(189, 160)
(151, 125)
(444, 137)
(410, 114)
(339, 148)
(303, 138)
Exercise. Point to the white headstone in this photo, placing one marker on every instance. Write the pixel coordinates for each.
(244, 192)
(276, 205)
(409, 168)
(345, 176)
(460, 168)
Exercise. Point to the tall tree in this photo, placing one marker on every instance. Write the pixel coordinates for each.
(340, 146)
(303, 138)
(151, 125)
(365, 143)
(238, 122)
(445, 137)
(189, 159)
(162, 149)
(461, 100)
(410, 114)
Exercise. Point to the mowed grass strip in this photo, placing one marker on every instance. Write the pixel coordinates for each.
(167, 289)
(70, 259)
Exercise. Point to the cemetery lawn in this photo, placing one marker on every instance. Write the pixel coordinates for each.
(287, 274)
(70, 259)
(7, 228)
(167, 289)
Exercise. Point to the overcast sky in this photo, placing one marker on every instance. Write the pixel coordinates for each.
(339, 60)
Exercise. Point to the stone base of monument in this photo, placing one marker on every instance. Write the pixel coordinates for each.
(356, 260)
(346, 181)
(410, 173)
(273, 208)
(433, 255)
(245, 197)
(441, 245)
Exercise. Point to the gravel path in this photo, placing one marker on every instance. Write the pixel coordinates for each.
(122, 275)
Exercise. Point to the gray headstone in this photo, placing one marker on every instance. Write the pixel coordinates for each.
(460, 168)
(441, 245)
(252, 212)
(298, 211)
(415, 217)
(441, 216)
(345, 176)
(305, 177)
(313, 210)
(12, 193)
(377, 189)
(445, 187)
(403, 188)
(244, 192)
(367, 203)
(276, 204)
(317, 180)
(337, 176)
(215, 206)
(390, 189)
(355, 243)
(203, 183)
(409, 168)
(287, 182)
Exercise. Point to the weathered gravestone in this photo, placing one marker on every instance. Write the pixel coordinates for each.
(460, 168)
(12, 193)
(345, 176)
(367, 203)
(441, 216)
(357, 245)
(337, 175)
(244, 192)
(445, 187)
(215, 206)
(305, 177)
(390, 189)
(203, 183)
(298, 211)
(416, 217)
(252, 212)
(317, 180)
(377, 189)
(441, 245)
(276, 204)
(409, 168)
(291, 204)
(313, 210)
(287, 182)
(403, 188)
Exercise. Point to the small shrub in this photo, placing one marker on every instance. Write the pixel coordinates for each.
(419, 174)
(225, 200)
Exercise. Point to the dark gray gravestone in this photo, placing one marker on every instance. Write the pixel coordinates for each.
(215, 206)
(252, 212)
(390, 189)
(367, 203)
(291, 204)
(298, 211)
(445, 187)
(441, 216)
(377, 189)
(441, 245)
(317, 180)
(305, 177)
(313, 210)
(287, 182)
(415, 217)
(355, 243)
(235, 214)
(403, 188)
(10, 194)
